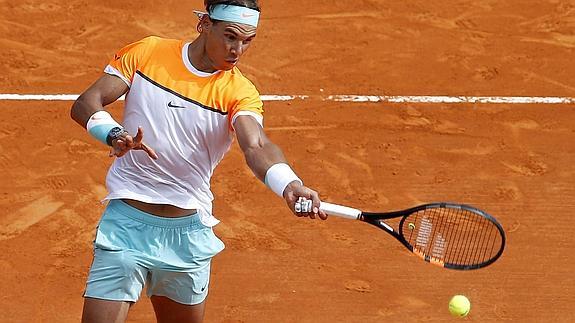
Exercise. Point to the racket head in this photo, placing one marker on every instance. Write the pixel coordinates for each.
(450, 235)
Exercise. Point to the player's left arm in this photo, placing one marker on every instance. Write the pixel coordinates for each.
(268, 163)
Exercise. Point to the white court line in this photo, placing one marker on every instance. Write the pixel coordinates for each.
(348, 98)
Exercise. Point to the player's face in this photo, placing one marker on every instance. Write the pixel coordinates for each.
(227, 42)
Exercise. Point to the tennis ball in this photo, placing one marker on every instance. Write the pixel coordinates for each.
(411, 226)
(459, 306)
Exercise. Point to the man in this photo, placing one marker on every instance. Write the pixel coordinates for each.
(184, 103)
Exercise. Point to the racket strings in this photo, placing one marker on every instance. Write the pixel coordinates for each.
(452, 236)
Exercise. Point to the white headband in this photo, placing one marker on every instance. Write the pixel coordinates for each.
(233, 13)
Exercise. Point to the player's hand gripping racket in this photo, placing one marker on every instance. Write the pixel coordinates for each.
(453, 236)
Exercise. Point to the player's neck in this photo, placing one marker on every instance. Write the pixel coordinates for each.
(198, 56)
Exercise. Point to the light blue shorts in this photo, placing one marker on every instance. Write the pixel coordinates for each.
(171, 256)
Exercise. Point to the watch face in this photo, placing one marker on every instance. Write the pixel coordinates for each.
(114, 134)
(117, 132)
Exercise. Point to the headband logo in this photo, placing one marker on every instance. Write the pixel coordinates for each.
(232, 13)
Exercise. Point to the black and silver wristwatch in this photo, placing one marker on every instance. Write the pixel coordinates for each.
(114, 134)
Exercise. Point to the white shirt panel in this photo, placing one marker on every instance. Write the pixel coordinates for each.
(190, 141)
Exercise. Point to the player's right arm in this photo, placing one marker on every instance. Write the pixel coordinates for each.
(90, 106)
(264, 158)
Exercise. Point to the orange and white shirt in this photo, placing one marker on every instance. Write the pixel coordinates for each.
(187, 117)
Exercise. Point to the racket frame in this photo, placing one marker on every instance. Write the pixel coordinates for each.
(377, 219)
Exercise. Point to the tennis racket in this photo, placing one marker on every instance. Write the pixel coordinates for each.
(454, 236)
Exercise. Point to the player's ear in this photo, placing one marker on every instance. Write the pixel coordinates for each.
(207, 23)
(204, 24)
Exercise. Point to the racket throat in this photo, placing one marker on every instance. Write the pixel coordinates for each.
(385, 225)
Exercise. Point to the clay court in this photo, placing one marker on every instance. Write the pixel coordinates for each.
(515, 161)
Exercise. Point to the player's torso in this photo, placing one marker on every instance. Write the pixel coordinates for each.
(184, 115)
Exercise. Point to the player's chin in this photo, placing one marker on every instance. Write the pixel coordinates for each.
(227, 65)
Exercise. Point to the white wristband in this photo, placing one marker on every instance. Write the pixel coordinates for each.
(100, 124)
(278, 176)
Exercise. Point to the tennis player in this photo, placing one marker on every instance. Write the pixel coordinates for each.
(185, 102)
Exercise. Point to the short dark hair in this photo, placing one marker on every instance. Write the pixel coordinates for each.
(252, 4)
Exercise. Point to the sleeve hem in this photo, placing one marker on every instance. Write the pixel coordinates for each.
(113, 71)
(259, 118)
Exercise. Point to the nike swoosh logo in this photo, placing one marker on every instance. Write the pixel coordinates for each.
(171, 105)
(247, 15)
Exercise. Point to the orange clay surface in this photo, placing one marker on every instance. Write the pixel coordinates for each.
(514, 161)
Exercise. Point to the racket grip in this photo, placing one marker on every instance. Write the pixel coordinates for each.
(340, 210)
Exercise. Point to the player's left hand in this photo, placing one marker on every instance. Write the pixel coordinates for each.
(126, 143)
(303, 201)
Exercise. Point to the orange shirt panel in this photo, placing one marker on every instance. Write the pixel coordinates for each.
(161, 60)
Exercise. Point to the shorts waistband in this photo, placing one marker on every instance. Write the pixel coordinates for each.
(189, 221)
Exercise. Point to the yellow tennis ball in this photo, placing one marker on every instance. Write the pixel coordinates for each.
(459, 306)
(411, 226)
